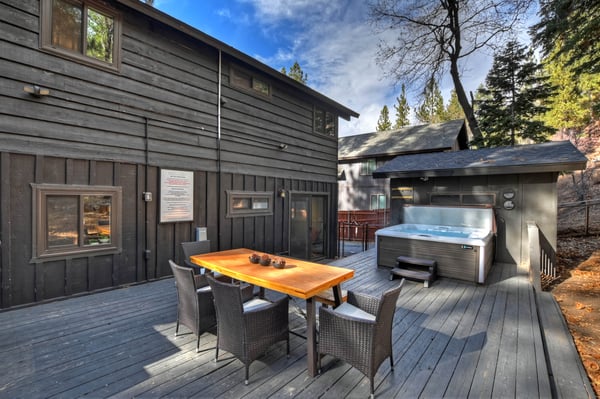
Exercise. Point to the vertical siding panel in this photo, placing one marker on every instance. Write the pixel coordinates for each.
(237, 224)
(212, 210)
(6, 281)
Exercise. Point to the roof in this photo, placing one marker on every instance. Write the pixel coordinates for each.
(554, 156)
(158, 15)
(407, 140)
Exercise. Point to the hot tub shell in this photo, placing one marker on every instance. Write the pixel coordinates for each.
(463, 250)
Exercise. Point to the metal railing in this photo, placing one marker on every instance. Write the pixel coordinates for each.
(572, 216)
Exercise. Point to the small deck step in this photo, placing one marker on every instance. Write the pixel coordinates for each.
(416, 269)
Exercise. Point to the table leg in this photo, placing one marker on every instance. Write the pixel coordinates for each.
(311, 337)
(337, 295)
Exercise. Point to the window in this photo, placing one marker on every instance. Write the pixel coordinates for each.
(325, 122)
(82, 29)
(72, 220)
(378, 201)
(249, 203)
(460, 199)
(246, 81)
(367, 167)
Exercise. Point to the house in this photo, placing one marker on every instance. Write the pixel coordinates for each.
(518, 182)
(360, 155)
(118, 144)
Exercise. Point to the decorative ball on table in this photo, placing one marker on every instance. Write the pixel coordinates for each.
(254, 258)
(265, 260)
(279, 263)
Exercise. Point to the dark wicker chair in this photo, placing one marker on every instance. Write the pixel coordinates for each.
(247, 330)
(195, 305)
(360, 331)
(190, 248)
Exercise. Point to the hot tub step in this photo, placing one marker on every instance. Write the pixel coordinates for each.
(410, 268)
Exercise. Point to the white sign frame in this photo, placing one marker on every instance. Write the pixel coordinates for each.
(176, 196)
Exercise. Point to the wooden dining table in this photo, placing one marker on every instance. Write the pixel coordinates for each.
(299, 278)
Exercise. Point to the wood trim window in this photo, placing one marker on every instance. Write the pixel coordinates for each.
(325, 122)
(84, 30)
(462, 199)
(247, 81)
(367, 167)
(249, 203)
(378, 201)
(71, 221)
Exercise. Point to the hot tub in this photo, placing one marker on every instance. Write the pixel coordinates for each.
(462, 250)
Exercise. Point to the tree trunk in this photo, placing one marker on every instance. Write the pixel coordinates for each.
(464, 101)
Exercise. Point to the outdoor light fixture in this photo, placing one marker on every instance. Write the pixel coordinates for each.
(424, 178)
(36, 91)
(282, 146)
(281, 193)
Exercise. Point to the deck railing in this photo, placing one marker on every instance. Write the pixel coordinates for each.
(542, 257)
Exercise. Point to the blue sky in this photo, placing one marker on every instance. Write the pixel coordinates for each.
(332, 41)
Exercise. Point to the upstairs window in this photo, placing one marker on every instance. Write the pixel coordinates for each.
(246, 81)
(325, 122)
(81, 29)
(367, 167)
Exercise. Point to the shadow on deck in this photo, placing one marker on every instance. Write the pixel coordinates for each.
(454, 339)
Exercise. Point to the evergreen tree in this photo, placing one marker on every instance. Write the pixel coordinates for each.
(512, 99)
(296, 73)
(402, 110)
(569, 29)
(453, 109)
(384, 120)
(431, 110)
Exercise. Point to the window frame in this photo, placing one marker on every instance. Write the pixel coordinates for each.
(40, 249)
(461, 198)
(237, 74)
(46, 34)
(323, 127)
(367, 167)
(378, 198)
(233, 195)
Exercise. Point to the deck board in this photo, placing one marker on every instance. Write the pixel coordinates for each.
(454, 339)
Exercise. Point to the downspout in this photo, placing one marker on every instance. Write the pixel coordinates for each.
(146, 185)
(219, 155)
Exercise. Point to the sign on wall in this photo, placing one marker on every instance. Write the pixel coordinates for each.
(176, 196)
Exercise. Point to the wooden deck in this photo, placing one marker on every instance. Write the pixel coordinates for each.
(452, 340)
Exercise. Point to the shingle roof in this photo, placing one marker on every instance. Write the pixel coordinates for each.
(409, 139)
(554, 156)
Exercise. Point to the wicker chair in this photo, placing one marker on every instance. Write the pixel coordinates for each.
(359, 331)
(195, 307)
(190, 248)
(247, 330)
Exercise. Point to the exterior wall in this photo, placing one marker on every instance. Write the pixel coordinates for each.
(355, 192)
(160, 110)
(535, 200)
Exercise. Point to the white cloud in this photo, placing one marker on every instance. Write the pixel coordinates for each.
(336, 46)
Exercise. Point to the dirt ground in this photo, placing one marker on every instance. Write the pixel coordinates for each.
(578, 296)
(577, 289)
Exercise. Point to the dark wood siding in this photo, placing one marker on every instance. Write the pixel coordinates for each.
(160, 110)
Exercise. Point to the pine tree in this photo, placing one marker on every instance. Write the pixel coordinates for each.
(431, 110)
(384, 120)
(296, 73)
(454, 109)
(402, 110)
(512, 99)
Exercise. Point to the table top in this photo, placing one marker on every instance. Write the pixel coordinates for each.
(299, 278)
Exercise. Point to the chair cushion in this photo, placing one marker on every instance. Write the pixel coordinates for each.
(351, 310)
(255, 304)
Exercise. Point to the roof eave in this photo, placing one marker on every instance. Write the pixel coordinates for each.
(487, 170)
